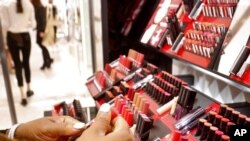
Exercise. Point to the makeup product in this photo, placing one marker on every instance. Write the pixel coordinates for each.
(196, 10)
(244, 53)
(178, 42)
(211, 133)
(144, 126)
(223, 109)
(79, 115)
(228, 112)
(244, 67)
(218, 135)
(217, 120)
(229, 127)
(235, 116)
(241, 120)
(211, 116)
(185, 102)
(189, 118)
(205, 130)
(130, 76)
(193, 124)
(225, 138)
(143, 82)
(247, 122)
(223, 124)
(200, 126)
(165, 108)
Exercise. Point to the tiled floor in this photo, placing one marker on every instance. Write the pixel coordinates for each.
(63, 82)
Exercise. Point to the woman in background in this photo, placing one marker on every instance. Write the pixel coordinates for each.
(40, 15)
(20, 20)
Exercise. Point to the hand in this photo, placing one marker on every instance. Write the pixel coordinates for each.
(103, 129)
(47, 129)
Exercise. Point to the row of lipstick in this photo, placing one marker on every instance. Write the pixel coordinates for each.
(222, 1)
(209, 27)
(217, 126)
(224, 11)
(130, 110)
(172, 79)
(157, 93)
(208, 132)
(199, 47)
(165, 85)
(233, 115)
(202, 36)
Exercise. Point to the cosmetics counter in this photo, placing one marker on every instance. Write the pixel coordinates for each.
(159, 106)
(198, 34)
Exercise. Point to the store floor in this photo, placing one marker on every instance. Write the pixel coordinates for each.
(62, 82)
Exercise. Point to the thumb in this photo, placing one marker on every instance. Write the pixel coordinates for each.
(101, 126)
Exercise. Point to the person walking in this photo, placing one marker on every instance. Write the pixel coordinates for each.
(51, 29)
(40, 15)
(20, 20)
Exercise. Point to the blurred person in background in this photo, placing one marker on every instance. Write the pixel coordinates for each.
(51, 25)
(19, 20)
(40, 15)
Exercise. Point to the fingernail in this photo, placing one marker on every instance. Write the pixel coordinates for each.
(79, 125)
(105, 108)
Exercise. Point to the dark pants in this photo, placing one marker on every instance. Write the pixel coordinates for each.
(45, 52)
(20, 43)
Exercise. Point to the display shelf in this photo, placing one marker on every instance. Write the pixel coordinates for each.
(243, 87)
(209, 72)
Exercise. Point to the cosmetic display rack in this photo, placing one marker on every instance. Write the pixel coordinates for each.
(121, 69)
(160, 107)
(192, 33)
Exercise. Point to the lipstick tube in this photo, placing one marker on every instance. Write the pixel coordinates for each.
(247, 122)
(200, 126)
(189, 118)
(211, 116)
(205, 130)
(235, 116)
(225, 138)
(211, 133)
(245, 51)
(223, 124)
(178, 41)
(217, 120)
(229, 127)
(241, 120)
(228, 112)
(218, 135)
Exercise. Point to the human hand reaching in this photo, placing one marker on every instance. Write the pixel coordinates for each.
(48, 129)
(106, 129)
